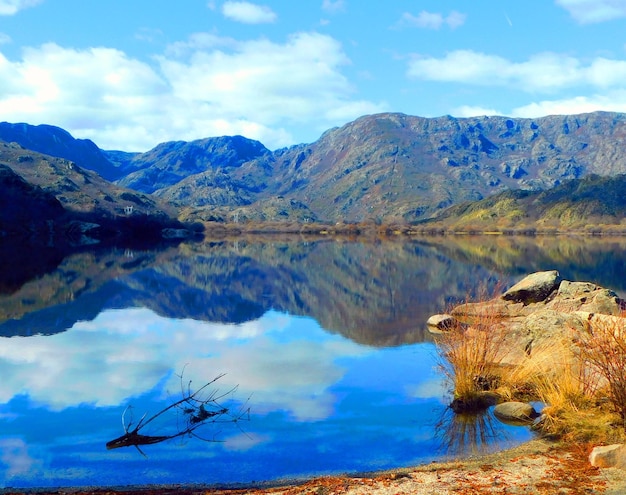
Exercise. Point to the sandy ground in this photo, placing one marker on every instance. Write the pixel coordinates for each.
(537, 467)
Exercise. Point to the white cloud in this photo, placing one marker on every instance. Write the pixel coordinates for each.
(612, 102)
(265, 82)
(205, 86)
(248, 13)
(542, 72)
(594, 11)
(432, 20)
(15, 459)
(11, 7)
(333, 6)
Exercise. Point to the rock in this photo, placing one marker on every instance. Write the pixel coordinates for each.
(517, 413)
(533, 288)
(607, 456)
(541, 309)
(585, 296)
(440, 322)
(495, 308)
(548, 324)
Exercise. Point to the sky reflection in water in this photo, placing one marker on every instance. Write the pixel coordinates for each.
(320, 403)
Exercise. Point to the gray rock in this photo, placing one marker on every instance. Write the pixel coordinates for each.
(517, 413)
(585, 296)
(536, 287)
(549, 324)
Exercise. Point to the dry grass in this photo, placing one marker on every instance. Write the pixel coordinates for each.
(604, 350)
(581, 378)
(471, 358)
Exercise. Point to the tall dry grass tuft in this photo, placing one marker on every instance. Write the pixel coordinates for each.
(604, 349)
(471, 357)
(558, 375)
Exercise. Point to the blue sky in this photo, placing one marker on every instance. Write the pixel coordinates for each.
(132, 74)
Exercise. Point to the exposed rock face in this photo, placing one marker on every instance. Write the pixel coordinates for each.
(585, 296)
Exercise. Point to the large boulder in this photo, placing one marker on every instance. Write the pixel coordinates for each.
(549, 325)
(440, 323)
(533, 288)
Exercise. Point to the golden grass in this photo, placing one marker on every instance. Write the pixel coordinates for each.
(581, 377)
(471, 358)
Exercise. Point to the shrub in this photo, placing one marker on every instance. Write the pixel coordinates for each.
(605, 351)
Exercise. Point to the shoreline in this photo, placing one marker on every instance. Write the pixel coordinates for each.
(536, 466)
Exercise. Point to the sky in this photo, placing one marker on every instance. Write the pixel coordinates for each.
(131, 74)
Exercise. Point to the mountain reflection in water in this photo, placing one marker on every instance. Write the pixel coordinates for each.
(326, 338)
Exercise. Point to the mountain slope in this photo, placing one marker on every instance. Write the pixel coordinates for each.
(387, 167)
(586, 203)
(43, 196)
(54, 141)
(394, 166)
(169, 163)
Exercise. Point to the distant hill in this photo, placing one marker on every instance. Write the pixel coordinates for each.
(169, 163)
(54, 141)
(590, 203)
(384, 168)
(44, 197)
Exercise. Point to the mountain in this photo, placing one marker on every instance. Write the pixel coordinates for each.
(395, 167)
(54, 141)
(170, 163)
(399, 167)
(24, 206)
(385, 168)
(588, 203)
(45, 199)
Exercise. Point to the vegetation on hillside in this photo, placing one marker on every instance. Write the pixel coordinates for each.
(593, 204)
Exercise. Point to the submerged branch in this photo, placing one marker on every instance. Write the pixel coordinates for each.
(193, 410)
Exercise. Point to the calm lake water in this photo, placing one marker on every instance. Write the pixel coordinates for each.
(325, 343)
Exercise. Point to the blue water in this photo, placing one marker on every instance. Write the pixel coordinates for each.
(319, 402)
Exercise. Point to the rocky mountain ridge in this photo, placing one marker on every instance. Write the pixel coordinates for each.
(384, 168)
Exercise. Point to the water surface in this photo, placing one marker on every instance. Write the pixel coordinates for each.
(325, 342)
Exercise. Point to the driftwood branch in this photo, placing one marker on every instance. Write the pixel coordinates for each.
(195, 408)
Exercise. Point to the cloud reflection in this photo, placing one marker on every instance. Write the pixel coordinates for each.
(288, 364)
(15, 459)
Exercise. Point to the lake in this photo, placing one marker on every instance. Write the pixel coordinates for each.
(327, 364)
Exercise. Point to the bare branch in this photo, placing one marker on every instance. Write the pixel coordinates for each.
(193, 410)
